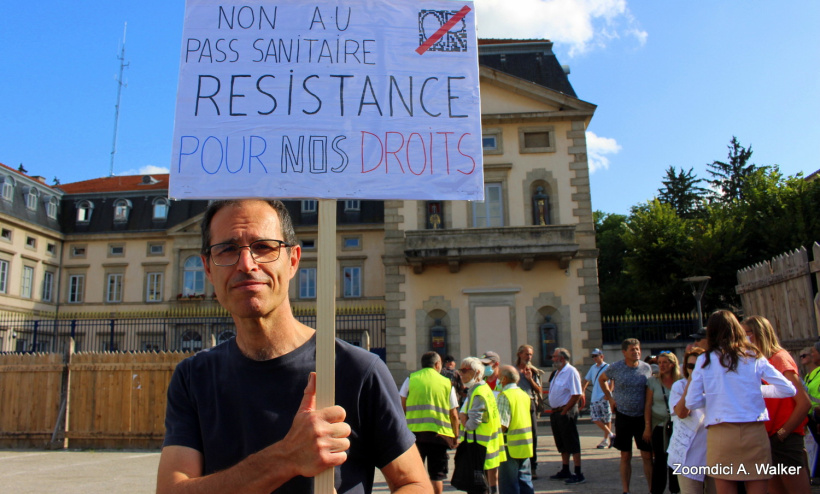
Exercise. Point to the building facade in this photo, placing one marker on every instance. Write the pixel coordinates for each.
(455, 276)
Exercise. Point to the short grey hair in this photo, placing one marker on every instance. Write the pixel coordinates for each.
(564, 353)
(510, 373)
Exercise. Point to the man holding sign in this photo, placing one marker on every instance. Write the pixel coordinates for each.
(242, 417)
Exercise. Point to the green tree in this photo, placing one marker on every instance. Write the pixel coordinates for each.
(756, 214)
(616, 287)
(779, 213)
(718, 249)
(681, 191)
(657, 240)
(728, 176)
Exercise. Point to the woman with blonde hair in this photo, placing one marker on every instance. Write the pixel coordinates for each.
(687, 449)
(726, 383)
(787, 416)
(657, 417)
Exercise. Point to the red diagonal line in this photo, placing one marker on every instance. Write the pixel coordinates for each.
(443, 30)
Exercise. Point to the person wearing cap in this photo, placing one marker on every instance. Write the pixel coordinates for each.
(599, 409)
(700, 340)
(491, 361)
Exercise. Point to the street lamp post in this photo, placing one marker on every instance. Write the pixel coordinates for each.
(698, 284)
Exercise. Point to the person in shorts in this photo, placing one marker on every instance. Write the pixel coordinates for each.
(628, 397)
(599, 409)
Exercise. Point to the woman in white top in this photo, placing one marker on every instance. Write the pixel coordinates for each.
(726, 383)
(687, 446)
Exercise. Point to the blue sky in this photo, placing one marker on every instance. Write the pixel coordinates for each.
(673, 82)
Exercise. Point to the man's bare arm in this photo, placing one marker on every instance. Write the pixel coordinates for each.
(406, 474)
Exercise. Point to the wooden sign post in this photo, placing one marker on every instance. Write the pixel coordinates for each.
(326, 321)
(334, 100)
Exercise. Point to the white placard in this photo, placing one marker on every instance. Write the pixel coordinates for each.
(357, 99)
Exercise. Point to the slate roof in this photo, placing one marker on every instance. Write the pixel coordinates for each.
(17, 206)
(142, 191)
(531, 60)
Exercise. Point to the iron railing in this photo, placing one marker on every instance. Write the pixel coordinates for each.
(649, 328)
(169, 331)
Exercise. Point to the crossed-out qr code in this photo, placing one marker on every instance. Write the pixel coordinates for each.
(430, 21)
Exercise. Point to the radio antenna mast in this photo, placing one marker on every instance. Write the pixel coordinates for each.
(120, 84)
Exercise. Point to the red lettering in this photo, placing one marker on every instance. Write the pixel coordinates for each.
(446, 149)
(409, 140)
(379, 154)
(394, 153)
(465, 155)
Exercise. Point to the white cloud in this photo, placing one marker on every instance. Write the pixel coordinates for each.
(581, 24)
(597, 149)
(146, 170)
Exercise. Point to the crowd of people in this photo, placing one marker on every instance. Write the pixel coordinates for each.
(731, 416)
(481, 402)
(738, 415)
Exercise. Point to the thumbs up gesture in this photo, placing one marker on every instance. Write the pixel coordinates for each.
(317, 439)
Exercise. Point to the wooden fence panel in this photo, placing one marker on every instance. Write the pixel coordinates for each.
(30, 389)
(118, 399)
(781, 291)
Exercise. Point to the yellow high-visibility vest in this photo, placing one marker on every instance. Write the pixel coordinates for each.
(428, 403)
(488, 432)
(518, 437)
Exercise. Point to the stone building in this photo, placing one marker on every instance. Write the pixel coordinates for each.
(459, 277)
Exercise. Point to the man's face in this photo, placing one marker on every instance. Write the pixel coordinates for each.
(632, 353)
(558, 360)
(598, 358)
(701, 343)
(815, 356)
(250, 289)
(467, 373)
(526, 355)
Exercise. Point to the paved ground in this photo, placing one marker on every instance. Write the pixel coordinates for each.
(114, 472)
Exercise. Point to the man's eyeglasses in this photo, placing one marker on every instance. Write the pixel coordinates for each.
(804, 355)
(265, 250)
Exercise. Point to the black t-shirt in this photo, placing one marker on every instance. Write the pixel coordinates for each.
(228, 406)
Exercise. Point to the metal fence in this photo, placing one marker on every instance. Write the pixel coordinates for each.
(649, 328)
(187, 331)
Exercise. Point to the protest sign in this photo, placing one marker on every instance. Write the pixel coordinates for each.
(348, 99)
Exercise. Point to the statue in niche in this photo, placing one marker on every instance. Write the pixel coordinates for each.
(540, 207)
(434, 215)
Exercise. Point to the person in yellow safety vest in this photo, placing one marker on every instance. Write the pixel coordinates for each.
(430, 406)
(479, 416)
(812, 380)
(514, 475)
